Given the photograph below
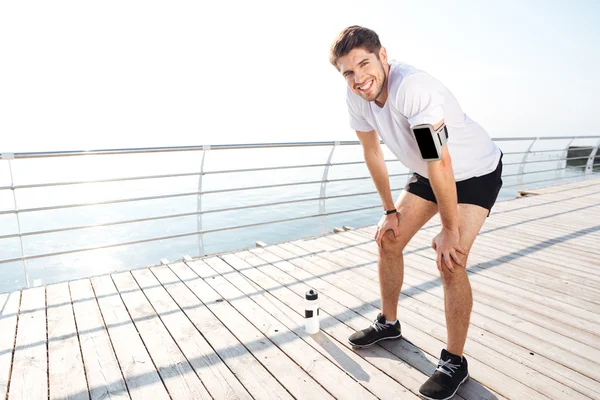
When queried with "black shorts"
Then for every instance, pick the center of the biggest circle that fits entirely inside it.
(480, 190)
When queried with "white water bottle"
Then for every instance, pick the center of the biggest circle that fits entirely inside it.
(311, 312)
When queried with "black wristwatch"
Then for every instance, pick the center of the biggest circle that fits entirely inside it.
(388, 212)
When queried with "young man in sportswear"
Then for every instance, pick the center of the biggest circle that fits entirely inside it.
(387, 99)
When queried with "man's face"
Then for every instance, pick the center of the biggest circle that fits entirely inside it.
(364, 72)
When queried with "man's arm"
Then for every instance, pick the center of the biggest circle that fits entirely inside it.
(375, 161)
(443, 184)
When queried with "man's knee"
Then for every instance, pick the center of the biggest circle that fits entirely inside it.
(459, 270)
(390, 243)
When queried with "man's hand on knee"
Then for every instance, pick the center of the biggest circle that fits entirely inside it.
(448, 249)
(450, 275)
(390, 242)
(389, 222)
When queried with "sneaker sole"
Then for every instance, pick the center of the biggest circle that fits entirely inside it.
(449, 397)
(362, 346)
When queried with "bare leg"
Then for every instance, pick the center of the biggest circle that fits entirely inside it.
(414, 212)
(458, 298)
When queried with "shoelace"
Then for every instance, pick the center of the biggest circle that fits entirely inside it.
(378, 326)
(451, 368)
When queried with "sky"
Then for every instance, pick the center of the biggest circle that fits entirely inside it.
(82, 75)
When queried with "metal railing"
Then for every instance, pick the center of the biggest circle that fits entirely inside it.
(201, 193)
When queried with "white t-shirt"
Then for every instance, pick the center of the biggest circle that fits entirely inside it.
(415, 97)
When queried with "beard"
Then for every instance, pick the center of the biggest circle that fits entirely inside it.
(380, 81)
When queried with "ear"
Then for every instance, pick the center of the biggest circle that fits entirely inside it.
(383, 55)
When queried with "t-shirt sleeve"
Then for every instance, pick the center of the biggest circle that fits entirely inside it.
(421, 99)
(356, 118)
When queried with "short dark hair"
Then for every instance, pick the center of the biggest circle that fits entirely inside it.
(351, 38)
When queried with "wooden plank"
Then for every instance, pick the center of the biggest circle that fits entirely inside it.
(29, 380)
(535, 223)
(576, 242)
(584, 320)
(586, 183)
(246, 368)
(548, 203)
(320, 368)
(539, 268)
(540, 256)
(432, 294)
(547, 200)
(9, 309)
(553, 251)
(104, 376)
(560, 218)
(551, 202)
(65, 364)
(479, 351)
(579, 348)
(139, 371)
(588, 300)
(284, 369)
(546, 320)
(559, 301)
(542, 274)
(218, 379)
(530, 243)
(416, 329)
(280, 286)
(568, 303)
(560, 192)
(553, 228)
(175, 370)
(487, 246)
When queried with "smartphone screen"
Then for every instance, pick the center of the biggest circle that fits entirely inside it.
(425, 142)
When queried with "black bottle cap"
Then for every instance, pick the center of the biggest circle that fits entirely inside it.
(311, 295)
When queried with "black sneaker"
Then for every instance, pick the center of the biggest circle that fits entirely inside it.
(378, 331)
(447, 378)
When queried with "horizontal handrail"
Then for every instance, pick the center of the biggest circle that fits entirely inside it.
(546, 161)
(142, 150)
(189, 214)
(547, 151)
(547, 170)
(60, 253)
(54, 184)
(539, 172)
(179, 175)
(548, 180)
(240, 146)
(167, 196)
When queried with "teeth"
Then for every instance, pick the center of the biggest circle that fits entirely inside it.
(366, 86)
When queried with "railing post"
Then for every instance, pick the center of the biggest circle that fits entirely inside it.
(323, 191)
(563, 157)
(205, 150)
(589, 166)
(409, 177)
(9, 157)
(524, 161)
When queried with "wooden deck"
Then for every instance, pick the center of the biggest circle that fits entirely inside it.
(231, 326)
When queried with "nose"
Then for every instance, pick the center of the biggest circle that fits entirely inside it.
(359, 77)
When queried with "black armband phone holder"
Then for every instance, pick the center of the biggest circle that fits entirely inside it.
(430, 141)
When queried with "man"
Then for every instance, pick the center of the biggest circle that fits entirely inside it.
(461, 181)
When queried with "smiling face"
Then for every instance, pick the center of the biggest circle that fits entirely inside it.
(366, 73)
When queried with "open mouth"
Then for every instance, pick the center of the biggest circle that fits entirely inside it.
(365, 87)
